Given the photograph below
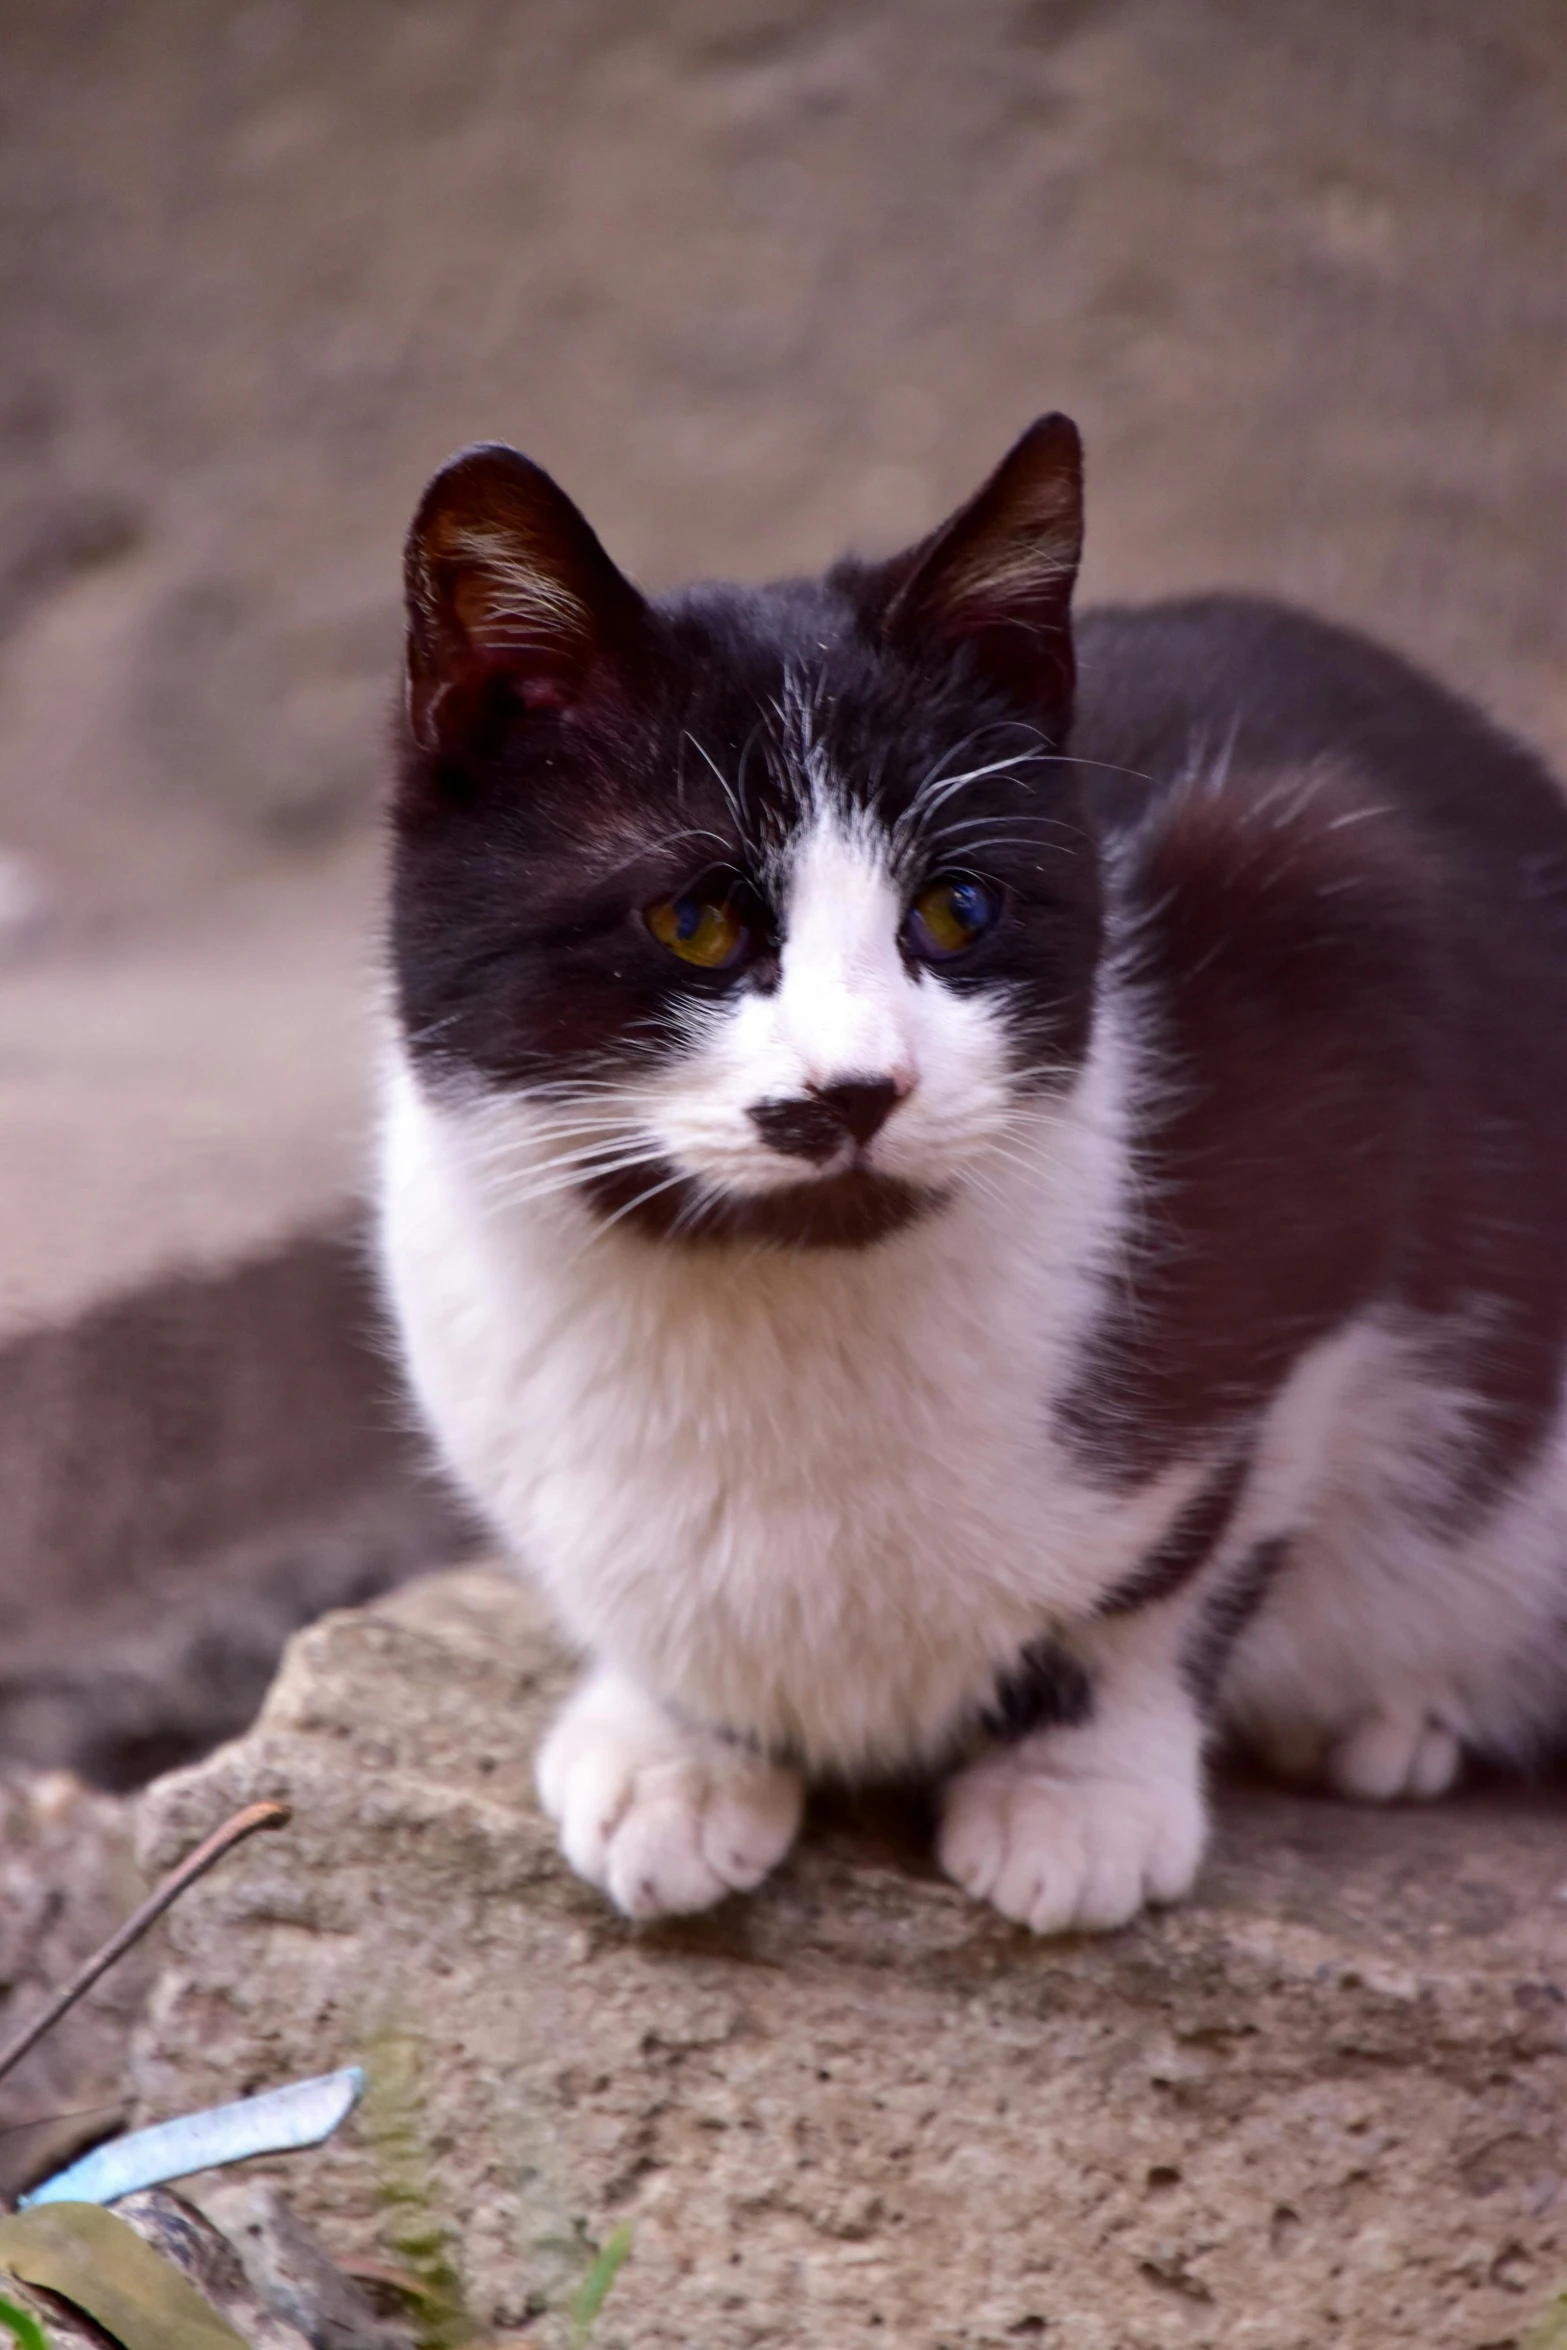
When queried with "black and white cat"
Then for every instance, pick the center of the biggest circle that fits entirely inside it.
(963, 1219)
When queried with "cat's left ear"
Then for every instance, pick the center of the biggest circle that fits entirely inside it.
(997, 577)
(506, 581)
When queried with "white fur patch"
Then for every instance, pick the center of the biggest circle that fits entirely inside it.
(813, 1497)
(662, 1818)
(1075, 1829)
(846, 1006)
(1391, 1642)
(742, 1474)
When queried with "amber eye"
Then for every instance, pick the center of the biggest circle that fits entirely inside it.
(702, 929)
(949, 916)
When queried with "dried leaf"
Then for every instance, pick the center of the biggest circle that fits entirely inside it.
(93, 2259)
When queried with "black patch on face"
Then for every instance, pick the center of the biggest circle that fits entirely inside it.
(1047, 1689)
(525, 853)
(1187, 1547)
(799, 1129)
(818, 1125)
(1224, 1617)
(851, 1210)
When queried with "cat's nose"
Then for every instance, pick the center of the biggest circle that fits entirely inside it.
(860, 1104)
(816, 1124)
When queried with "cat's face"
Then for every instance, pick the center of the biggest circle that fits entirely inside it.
(758, 914)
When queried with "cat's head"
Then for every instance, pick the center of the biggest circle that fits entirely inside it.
(746, 912)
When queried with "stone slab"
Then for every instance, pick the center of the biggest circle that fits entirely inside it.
(182, 1099)
(1322, 2104)
(202, 1439)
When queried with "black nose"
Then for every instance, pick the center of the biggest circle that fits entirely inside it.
(860, 1104)
(814, 1126)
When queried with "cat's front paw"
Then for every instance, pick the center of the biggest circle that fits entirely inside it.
(662, 1818)
(1401, 1754)
(1063, 1853)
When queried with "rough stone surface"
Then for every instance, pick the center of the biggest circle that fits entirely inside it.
(1320, 2105)
(68, 1878)
(291, 2270)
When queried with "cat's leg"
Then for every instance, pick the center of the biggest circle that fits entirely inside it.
(1075, 1823)
(663, 1817)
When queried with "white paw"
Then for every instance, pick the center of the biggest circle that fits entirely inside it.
(663, 1819)
(1403, 1752)
(1065, 1854)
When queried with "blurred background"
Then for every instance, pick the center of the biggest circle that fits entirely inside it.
(757, 279)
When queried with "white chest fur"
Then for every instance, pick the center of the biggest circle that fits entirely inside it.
(809, 1494)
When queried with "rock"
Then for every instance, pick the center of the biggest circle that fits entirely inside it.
(200, 1443)
(291, 2270)
(67, 1880)
(210, 2262)
(1320, 2103)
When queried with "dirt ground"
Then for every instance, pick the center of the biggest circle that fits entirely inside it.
(756, 278)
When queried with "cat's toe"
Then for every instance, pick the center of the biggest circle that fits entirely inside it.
(692, 1834)
(1063, 1855)
(1400, 1754)
(662, 1824)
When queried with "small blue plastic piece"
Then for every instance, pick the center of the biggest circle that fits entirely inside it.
(279, 2120)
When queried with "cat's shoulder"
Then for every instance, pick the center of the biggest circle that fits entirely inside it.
(1173, 693)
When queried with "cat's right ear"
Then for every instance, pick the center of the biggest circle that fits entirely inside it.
(995, 581)
(507, 583)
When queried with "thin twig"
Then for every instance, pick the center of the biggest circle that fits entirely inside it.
(244, 1823)
(72, 2113)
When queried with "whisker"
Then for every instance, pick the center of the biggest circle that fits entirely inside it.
(722, 780)
(938, 790)
(642, 1199)
(526, 1195)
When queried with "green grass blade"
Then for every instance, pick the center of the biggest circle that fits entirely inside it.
(24, 2329)
(594, 2289)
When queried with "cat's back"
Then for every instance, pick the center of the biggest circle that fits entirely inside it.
(1343, 896)
(1228, 681)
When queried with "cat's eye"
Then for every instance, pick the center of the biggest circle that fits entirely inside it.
(949, 916)
(704, 927)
